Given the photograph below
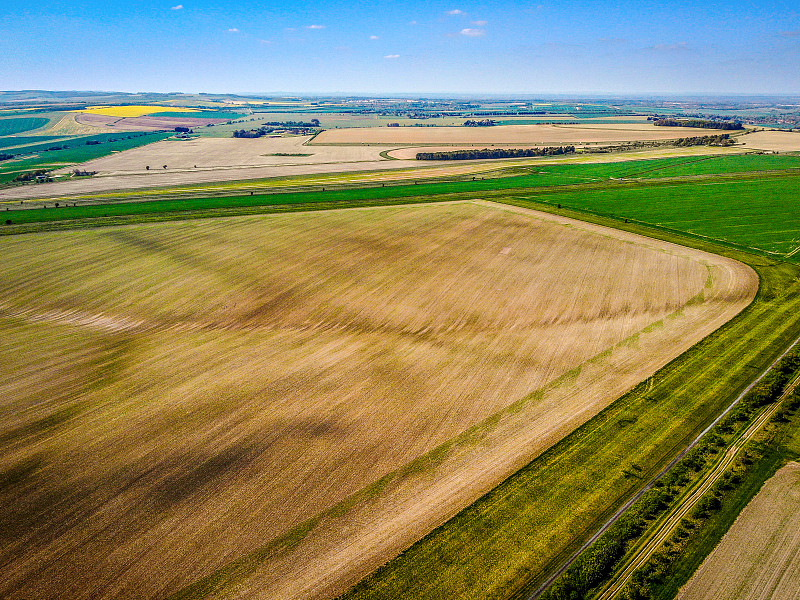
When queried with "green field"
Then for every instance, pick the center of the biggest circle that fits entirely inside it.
(14, 125)
(77, 151)
(763, 214)
(25, 140)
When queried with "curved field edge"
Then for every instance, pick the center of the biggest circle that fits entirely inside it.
(457, 449)
(575, 486)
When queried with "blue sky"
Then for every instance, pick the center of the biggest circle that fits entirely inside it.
(420, 47)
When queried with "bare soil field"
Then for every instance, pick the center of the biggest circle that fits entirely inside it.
(759, 557)
(187, 393)
(221, 153)
(776, 141)
(529, 135)
(306, 173)
(142, 123)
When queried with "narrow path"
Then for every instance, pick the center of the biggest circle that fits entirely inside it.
(550, 580)
(667, 524)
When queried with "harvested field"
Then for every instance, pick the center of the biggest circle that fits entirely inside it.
(306, 173)
(776, 141)
(759, 557)
(222, 153)
(142, 123)
(186, 393)
(529, 135)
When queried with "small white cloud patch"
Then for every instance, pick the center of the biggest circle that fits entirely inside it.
(315, 26)
(391, 56)
(179, 7)
(374, 37)
(480, 23)
(455, 12)
(470, 32)
(233, 30)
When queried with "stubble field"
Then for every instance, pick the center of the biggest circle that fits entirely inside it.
(530, 135)
(759, 557)
(187, 393)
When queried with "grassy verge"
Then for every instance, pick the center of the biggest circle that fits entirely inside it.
(673, 565)
(598, 563)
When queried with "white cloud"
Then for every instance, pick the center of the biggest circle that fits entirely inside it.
(455, 11)
(472, 32)
(233, 30)
(374, 37)
(315, 26)
(480, 23)
(265, 42)
(392, 56)
(179, 7)
(679, 47)
(412, 22)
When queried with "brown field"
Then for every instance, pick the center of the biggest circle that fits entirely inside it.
(529, 135)
(185, 393)
(226, 153)
(776, 141)
(306, 173)
(142, 123)
(759, 557)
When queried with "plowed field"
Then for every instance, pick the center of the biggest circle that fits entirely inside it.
(315, 390)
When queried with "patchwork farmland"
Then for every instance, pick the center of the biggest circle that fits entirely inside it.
(411, 358)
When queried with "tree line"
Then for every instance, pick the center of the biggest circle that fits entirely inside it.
(495, 153)
(701, 123)
(296, 127)
(482, 123)
(597, 563)
(723, 139)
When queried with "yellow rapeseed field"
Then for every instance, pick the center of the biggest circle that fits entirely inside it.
(136, 110)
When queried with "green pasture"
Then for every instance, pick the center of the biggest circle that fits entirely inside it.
(7, 142)
(763, 214)
(78, 151)
(10, 126)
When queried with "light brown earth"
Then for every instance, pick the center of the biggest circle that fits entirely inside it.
(531, 135)
(759, 557)
(143, 123)
(323, 171)
(776, 141)
(183, 393)
(226, 153)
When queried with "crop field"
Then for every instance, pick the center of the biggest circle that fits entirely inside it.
(133, 110)
(759, 214)
(759, 557)
(20, 140)
(398, 350)
(12, 125)
(532, 135)
(776, 141)
(222, 153)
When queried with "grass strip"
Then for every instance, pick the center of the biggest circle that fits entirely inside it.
(672, 566)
